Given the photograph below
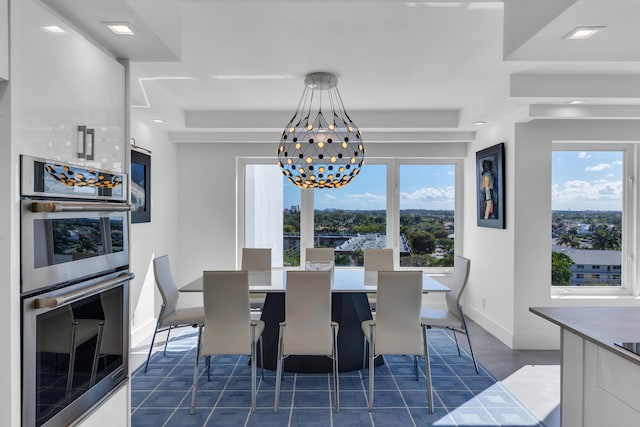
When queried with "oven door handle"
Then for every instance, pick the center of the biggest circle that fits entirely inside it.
(76, 295)
(78, 207)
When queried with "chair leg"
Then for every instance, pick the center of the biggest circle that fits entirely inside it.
(371, 365)
(261, 359)
(153, 340)
(466, 331)
(415, 366)
(254, 349)
(164, 352)
(364, 356)
(72, 362)
(208, 368)
(278, 371)
(336, 381)
(455, 337)
(196, 369)
(427, 367)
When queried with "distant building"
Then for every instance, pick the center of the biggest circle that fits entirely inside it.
(593, 267)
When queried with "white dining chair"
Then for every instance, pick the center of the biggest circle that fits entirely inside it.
(307, 328)
(453, 317)
(228, 327)
(170, 316)
(376, 260)
(256, 260)
(320, 259)
(397, 327)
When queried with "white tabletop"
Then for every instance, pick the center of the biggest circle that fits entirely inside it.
(344, 280)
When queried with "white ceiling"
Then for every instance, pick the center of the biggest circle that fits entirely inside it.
(424, 70)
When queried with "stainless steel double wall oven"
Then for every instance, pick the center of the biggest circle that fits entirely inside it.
(74, 287)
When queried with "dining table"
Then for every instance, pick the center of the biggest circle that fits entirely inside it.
(349, 308)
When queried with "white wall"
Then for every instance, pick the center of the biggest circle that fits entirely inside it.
(511, 268)
(533, 221)
(490, 249)
(158, 237)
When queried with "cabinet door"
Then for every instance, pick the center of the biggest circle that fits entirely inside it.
(4, 39)
(59, 82)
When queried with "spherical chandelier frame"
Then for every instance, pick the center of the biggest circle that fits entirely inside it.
(320, 148)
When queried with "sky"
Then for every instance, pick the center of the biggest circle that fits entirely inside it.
(421, 187)
(581, 180)
(587, 180)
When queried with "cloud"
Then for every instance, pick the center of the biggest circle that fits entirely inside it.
(617, 163)
(599, 167)
(427, 195)
(367, 197)
(584, 155)
(581, 191)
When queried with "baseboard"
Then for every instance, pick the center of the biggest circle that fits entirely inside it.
(494, 328)
(140, 334)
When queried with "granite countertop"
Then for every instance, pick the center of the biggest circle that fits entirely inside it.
(600, 325)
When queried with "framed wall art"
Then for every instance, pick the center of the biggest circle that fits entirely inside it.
(140, 185)
(490, 186)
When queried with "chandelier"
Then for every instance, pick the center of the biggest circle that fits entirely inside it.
(320, 149)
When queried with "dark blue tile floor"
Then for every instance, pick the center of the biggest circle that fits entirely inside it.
(162, 397)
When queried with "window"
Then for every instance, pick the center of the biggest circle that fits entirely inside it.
(353, 218)
(591, 209)
(418, 219)
(427, 215)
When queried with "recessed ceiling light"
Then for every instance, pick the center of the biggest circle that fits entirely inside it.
(480, 123)
(121, 28)
(252, 77)
(157, 121)
(575, 102)
(53, 29)
(581, 33)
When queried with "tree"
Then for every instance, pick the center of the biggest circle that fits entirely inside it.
(605, 238)
(422, 242)
(569, 238)
(560, 269)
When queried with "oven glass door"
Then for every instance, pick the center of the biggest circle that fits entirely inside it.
(61, 247)
(75, 348)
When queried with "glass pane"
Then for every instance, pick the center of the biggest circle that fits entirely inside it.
(427, 203)
(264, 213)
(353, 218)
(68, 362)
(586, 218)
(291, 224)
(71, 239)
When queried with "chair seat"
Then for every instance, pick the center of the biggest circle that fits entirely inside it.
(184, 316)
(440, 318)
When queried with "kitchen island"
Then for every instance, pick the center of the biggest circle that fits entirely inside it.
(600, 380)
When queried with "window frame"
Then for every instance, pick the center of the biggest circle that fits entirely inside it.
(392, 205)
(629, 222)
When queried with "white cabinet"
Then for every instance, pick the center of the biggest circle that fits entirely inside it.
(599, 388)
(61, 81)
(4, 39)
